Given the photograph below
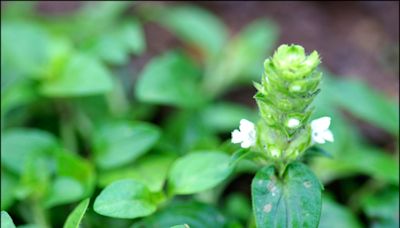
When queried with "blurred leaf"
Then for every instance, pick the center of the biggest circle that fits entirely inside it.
(64, 190)
(26, 47)
(198, 171)
(224, 116)
(93, 18)
(125, 199)
(6, 221)
(82, 76)
(8, 186)
(21, 92)
(75, 180)
(116, 45)
(119, 143)
(242, 59)
(74, 219)
(238, 206)
(20, 145)
(150, 170)
(359, 159)
(195, 26)
(170, 79)
(335, 215)
(382, 207)
(18, 9)
(185, 131)
(294, 201)
(194, 214)
(368, 104)
(180, 226)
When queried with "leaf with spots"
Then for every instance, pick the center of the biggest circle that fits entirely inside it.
(291, 201)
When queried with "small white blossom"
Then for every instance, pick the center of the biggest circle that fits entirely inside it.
(320, 130)
(246, 135)
(293, 122)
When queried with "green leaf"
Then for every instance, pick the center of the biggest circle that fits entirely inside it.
(181, 226)
(224, 117)
(195, 26)
(75, 180)
(198, 171)
(125, 199)
(75, 218)
(242, 59)
(238, 206)
(170, 79)
(119, 143)
(6, 221)
(356, 159)
(81, 76)
(26, 47)
(116, 45)
(8, 186)
(334, 215)
(294, 201)
(150, 170)
(64, 190)
(194, 214)
(371, 105)
(19, 145)
(382, 207)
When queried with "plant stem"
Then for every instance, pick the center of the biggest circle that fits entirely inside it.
(39, 215)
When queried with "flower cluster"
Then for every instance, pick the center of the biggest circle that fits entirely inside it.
(288, 86)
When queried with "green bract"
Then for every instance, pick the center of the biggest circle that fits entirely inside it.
(288, 86)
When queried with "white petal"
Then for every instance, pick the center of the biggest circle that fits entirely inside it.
(328, 136)
(246, 126)
(318, 138)
(293, 122)
(245, 144)
(236, 136)
(321, 124)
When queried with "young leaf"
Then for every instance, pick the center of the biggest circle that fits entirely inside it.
(294, 201)
(75, 218)
(170, 79)
(81, 76)
(198, 171)
(6, 221)
(119, 143)
(125, 199)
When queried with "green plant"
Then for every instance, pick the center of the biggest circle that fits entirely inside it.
(91, 139)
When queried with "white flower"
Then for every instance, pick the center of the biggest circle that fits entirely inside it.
(320, 130)
(246, 135)
(293, 122)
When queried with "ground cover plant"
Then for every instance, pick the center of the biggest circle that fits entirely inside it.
(87, 140)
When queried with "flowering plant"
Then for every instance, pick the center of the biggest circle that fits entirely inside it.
(282, 135)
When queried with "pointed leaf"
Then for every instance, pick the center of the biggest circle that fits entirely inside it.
(294, 201)
(75, 218)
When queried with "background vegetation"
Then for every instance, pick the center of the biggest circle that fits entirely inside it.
(96, 92)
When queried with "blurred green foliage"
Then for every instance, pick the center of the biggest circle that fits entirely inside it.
(70, 127)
